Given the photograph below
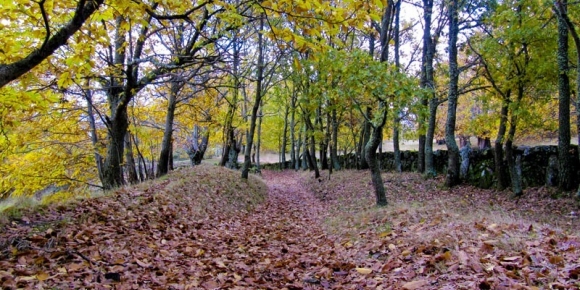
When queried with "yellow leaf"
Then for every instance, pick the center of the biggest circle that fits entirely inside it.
(42, 276)
(384, 234)
(199, 252)
(364, 271)
(297, 64)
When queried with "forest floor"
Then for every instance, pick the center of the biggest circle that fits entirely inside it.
(206, 229)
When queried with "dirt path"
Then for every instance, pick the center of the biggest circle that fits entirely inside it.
(279, 245)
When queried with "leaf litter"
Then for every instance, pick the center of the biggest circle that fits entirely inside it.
(206, 229)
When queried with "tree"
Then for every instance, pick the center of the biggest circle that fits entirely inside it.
(428, 83)
(565, 179)
(452, 177)
(562, 13)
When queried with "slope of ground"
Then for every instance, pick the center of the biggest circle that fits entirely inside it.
(132, 235)
(207, 229)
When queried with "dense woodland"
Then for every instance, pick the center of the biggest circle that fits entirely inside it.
(106, 93)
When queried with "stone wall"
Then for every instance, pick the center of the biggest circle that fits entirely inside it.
(537, 168)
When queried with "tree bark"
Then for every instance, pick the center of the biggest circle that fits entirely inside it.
(311, 153)
(323, 146)
(560, 8)
(163, 164)
(334, 148)
(130, 160)
(285, 140)
(396, 147)
(500, 172)
(293, 144)
(397, 115)
(305, 157)
(371, 154)
(430, 170)
(196, 149)
(452, 177)
(427, 82)
(565, 182)
(364, 139)
(514, 169)
(117, 126)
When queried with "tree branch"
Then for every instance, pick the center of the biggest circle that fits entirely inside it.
(12, 71)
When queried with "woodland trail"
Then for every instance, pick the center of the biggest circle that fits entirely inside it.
(279, 245)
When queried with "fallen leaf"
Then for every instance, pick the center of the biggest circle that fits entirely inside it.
(510, 259)
(364, 271)
(142, 264)
(42, 276)
(415, 284)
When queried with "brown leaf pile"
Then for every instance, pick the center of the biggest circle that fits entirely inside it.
(464, 238)
(206, 229)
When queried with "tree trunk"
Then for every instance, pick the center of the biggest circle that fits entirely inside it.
(130, 161)
(143, 173)
(305, 157)
(430, 170)
(163, 164)
(93, 131)
(364, 139)
(565, 179)
(294, 147)
(323, 141)
(257, 102)
(233, 149)
(196, 149)
(312, 152)
(334, 148)
(284, 141)
(117, 128)
(500, 172)
(452, 177)
(371, 155)
(397, 115)
(259, 142)
(396, 148)
(427, 82)
(515, 171)
(228, 124)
